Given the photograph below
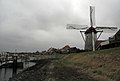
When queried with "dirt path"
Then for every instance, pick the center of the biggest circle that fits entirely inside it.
(50, 72)
(70, 74)
(63, 73)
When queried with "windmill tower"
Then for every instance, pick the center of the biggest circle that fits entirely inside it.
(90, 37)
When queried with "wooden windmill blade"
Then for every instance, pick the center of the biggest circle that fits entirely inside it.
(92, 23)
(92, 16)
(77, 27)
(107, 29)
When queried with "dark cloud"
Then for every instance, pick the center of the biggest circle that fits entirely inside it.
(31, 25)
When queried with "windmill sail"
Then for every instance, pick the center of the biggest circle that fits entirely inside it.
(107, 29)
(77, 27)
(92, 16)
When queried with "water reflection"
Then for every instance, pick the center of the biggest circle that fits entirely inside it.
(6, 73)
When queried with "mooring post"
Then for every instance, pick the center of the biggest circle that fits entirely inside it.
(14, 65)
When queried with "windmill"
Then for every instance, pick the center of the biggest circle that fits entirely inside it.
(91, 32)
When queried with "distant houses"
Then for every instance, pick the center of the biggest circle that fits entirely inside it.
(112, 42)
(65, 50)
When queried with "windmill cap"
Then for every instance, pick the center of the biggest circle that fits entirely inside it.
(90, 30)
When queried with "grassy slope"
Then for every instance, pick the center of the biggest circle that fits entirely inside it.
(103, 65)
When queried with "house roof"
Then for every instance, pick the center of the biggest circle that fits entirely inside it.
(118, 32)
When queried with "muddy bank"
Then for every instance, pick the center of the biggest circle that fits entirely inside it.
(34, 73)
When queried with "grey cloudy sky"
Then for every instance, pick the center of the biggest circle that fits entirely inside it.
(30, 25)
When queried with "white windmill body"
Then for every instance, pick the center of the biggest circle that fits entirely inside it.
(91, 32)
(90, 38)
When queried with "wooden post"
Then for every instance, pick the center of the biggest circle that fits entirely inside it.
(93, 41)
(14, 65)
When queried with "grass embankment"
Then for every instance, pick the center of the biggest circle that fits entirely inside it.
(103, 65)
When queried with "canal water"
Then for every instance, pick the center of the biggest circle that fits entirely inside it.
(6, 73)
